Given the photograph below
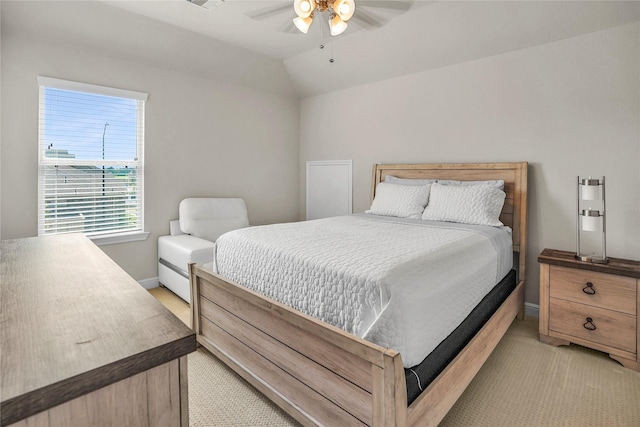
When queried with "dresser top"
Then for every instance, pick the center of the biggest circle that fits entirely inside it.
(73, 321)
(617, 266)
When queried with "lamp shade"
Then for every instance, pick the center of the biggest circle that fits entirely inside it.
(337, 26)
(344, 9)
(590, 191)
(590, 220)
(304, 8)
(303, 24)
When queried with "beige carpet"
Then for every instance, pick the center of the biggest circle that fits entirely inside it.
(523, 383)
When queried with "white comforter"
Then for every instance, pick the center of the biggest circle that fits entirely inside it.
(402, 284)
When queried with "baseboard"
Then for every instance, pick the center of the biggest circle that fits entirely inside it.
(149, 283)
(532, 310)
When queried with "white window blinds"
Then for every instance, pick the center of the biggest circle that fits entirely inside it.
(90, 159)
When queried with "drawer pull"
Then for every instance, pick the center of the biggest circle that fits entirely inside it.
(589, 324)
(589, 290)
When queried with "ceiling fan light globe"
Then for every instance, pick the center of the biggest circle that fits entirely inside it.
(304, 8)
(344, 9)
(302, 24)
(337, 26)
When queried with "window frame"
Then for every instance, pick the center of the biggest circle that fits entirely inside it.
(106, 237)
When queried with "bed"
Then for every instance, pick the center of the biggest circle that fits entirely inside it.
(324, 375)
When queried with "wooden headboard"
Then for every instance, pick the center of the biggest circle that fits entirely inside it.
(514, 211)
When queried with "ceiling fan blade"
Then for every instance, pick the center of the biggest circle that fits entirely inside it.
(267, 12)
(401, 5)
(207, 4)
(366, 20)
(288, 27)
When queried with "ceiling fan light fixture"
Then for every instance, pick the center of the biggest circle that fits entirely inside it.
(337, 26)
(303, 24)
(344, 8)
(304, 8)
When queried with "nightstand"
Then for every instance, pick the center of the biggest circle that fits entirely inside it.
(594, 305)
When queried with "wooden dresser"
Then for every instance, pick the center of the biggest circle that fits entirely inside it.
(83, 344)
(594, 305)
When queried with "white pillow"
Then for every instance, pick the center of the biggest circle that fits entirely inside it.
(408, 181)
(472, 204)
(499, 183)
(405, 201)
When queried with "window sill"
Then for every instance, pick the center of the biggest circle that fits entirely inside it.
(112, 239)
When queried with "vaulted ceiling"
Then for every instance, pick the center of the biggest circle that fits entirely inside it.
(264, 26)
(381, 43)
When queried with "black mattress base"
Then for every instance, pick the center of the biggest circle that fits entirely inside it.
(420, 376)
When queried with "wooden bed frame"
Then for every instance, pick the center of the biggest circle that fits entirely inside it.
(322, 375)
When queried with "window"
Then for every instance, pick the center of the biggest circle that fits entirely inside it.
(90, 161)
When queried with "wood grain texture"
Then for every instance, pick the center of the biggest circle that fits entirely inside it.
(330, 385)
(617, 266)
(288, 355)
(612, 328)
(150, 398)
(72, 322)
(184, 391)
(603, 290)
(544, 299)
(614, 308)
(351, 361)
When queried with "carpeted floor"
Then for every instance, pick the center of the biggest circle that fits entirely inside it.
(524, 383)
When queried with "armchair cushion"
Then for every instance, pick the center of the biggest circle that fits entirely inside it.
(209, 218)
(184, 249)
(174, 227)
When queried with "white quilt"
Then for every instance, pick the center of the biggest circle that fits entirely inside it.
(403, 284)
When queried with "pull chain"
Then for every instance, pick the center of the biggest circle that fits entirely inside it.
(322, 45)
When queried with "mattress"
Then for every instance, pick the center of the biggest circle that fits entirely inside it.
(404, 284)
(420, 376)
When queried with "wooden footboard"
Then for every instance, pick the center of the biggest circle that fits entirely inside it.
(318, 373)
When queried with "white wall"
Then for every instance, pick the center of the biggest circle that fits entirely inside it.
(569, 108)
(204, 137)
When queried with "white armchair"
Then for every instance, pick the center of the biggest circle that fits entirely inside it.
(192, 238)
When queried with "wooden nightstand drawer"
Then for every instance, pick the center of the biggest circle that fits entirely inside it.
(571, 291)
(607, 327)
(593, 288)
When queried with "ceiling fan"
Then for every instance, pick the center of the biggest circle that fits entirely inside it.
(207, 4)
(365, 13)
